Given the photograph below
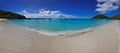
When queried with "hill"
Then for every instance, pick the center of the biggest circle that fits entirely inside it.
(10, 15)
(117, 17)
(100, 16)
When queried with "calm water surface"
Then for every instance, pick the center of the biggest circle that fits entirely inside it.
(59, 25)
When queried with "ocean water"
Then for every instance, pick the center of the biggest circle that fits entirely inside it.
(59, 25)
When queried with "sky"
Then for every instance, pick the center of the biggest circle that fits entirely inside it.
(64, 8)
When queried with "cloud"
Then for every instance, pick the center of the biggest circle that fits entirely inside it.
(105, 6)
(46, 14)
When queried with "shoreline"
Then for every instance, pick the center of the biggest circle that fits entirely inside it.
(1, 20)
(63, 33)
(17, 39)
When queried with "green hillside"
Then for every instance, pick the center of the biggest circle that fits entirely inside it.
(117, 17)
(10, 15)
(100, 16)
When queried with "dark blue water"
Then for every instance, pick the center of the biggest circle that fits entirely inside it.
(59, 25)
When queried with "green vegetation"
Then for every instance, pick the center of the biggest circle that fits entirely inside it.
(117, 17)
(102, 16)
(10, 15)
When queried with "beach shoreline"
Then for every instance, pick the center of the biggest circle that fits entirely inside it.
(62, 33)
(17, 39)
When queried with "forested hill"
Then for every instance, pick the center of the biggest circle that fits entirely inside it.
(10, 15)
(102, 16)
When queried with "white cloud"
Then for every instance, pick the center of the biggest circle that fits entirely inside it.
(105, 6)
(46, 14)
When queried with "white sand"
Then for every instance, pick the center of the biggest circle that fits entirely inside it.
(2, 20)
(16, 39)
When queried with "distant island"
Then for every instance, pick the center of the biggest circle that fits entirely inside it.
(10, 15)
(102, 16)
(99, 16)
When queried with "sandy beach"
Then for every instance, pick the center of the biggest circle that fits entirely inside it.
(17, 39)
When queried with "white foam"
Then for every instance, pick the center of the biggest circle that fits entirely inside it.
(48, 33)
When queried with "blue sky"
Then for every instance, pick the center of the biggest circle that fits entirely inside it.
(80, 8)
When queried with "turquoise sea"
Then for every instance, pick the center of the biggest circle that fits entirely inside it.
(59, 25)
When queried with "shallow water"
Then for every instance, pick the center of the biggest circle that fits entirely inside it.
(59, 25)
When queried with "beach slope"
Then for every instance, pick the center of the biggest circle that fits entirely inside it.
(17, 39)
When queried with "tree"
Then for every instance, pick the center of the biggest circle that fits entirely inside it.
(117, 17)
(10, 15)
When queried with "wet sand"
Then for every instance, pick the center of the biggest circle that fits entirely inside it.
(17, 39)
